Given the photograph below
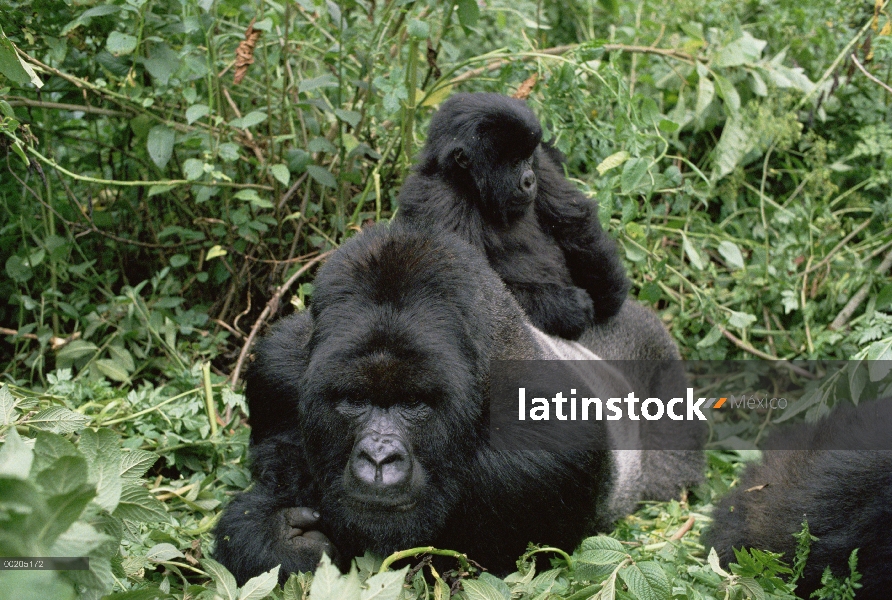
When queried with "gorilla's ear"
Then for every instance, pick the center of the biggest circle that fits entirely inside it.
(461, 158)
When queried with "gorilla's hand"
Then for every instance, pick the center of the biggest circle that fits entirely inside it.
(300, 539)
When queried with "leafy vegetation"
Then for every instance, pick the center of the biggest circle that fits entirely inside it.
(175, 169)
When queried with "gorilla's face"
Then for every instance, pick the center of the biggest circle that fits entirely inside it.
(506, 185)
(391, 412)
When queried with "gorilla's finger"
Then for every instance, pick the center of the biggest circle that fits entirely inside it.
(301, 517)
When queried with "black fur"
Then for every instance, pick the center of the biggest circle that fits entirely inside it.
(371, 408)
(485, 174)
(837, 481)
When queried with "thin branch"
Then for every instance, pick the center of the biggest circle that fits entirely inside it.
(19, 101)
(756, 352)
(837, 247)
(271, 307)
(869, 76)
(860, 296)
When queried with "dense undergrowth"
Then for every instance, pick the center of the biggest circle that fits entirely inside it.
(175, 170)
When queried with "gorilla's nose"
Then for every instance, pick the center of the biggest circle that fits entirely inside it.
(528, 182)
(381, 461)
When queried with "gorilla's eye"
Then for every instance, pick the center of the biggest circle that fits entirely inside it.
(460, 158)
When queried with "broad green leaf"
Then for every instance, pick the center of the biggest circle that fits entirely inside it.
(327, 80)
(58, 419)
(731, 253)
(137, 504)
(481, 590)
(857, 379)
(757, 84)
(879, 357)
(646, 580)
(223, 579)
(468, 12)
(163, 552)
(439, 95)
(215, 252)
(62, 511)
(196, 111)
(260, 586)
(164, 62)
(102, 450)
(385, 586)
(15, 456)
(8, 412)
(705, 92)
(612, 161)
(602, 542)
(136, 462)
(112, 369)
(692, 253)
(745, 49)
(810, 399)
(193, 168)
(255, 117)
(741, 320)
(736, 141)
(160, 144)
(120, 44)
(281, 173)
(49, 448)
(728, 93)
(327, 581)
(65, 476)
(633, 172)
(322, 175)
(13, 67)
(348, 116)
(713, 560)
(418, 29)
(752, 588)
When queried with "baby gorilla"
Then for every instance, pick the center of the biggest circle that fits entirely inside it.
(485, 175)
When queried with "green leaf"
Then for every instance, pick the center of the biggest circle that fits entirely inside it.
(195, 112)
(62, 511)
(18, 269)
(804, 403)
(327, 582)
(418, 29)
(255, 117)
(14, 67)
(65, 476)
(322, 175)
(112, 369)
(612, 161)
(741, 320)
(327, 80)
(731, 253)
(745, 49)
(163, 552)
(15, 456)
(692, 253)
(752, 589)
(385, 586)
(160, 144)
(857, 379)
(281, 173)
(193, 168)
(49, 448)
(348, 116)
(714, 335)
(646, 580)
(602, 542)
(8, 411)
(728, 93)
(120, 44)
(135, 463)
(260, 586)
(58, 419)
(879, 357)
(481, 590)
(736, 141)
(468, 12)
(633, 172)
(705, 92)
(137, 504)
(713, 560)
(223, 579)
(215, 252)
(102, 450)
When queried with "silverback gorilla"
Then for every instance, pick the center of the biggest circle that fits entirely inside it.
(838, 479)
(369, 420)
(485, 175)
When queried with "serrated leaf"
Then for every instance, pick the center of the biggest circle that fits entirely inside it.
(15, 456)
(255, 117)
(714, 564)
(326, 80)
(753, 591)
(281, 173)
(137, 504)
(602, 542)
(163, 552)
(8, 412)
(196, 111)
(74, 350)
(731, 253)
(879, 359)
(102, 449)
(135, 463)
(348, 116)
(62, 511)
(58, 419)
(64, 476)
(804, 403)
(260, 586)
(692, 253)
(646, 580)
(612, 161)
(160, 144)
(112, 369)
(857, 379)
(480, 590)
(745, 49)
(385, 586)
(633, 172)
(120, 44)
(327, 582)
(468, 12)
(223, 579)
(322, 175)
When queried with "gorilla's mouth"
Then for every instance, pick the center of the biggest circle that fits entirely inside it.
(369, 503)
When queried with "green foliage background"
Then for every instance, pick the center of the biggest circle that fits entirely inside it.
(152, 207)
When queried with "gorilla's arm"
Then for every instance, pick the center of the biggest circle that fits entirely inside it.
(564, 311)
(572, 220)
(272, 523)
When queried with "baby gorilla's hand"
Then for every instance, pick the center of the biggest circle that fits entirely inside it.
(299, 538)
